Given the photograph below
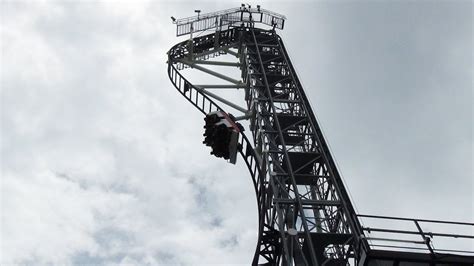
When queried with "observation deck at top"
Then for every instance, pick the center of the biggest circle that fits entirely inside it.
(224, 19)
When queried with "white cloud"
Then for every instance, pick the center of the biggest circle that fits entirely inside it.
(93, 169)
(102, 160)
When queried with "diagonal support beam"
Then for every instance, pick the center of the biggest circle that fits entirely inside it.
(243, 117)
(231, 104)
(231, 52)
(213, 86)
(208, 71)
(217, 63)
(216, 50)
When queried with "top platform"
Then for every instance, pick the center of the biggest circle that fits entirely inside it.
(224, 19)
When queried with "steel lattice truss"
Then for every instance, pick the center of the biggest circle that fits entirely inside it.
(297, 184)
(305, 214)
(304, 190)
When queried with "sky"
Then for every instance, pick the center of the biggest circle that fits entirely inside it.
(102, 160)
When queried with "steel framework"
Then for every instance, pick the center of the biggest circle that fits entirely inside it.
(305, 214)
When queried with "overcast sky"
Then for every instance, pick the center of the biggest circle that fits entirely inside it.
(102, 161)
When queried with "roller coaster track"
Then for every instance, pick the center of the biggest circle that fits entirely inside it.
(304, 211)
(288, 130)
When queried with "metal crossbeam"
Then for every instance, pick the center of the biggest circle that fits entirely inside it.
(208, 71)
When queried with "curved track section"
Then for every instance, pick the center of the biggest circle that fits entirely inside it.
(206, 105)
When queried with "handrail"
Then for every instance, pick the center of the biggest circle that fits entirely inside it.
(413, 219)
(226, 11)
(228, 17)
(426, 237)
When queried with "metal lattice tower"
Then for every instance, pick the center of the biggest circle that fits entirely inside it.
(305, 214)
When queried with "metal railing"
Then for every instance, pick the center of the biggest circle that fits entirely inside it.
(416, 239)
(228, 17)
